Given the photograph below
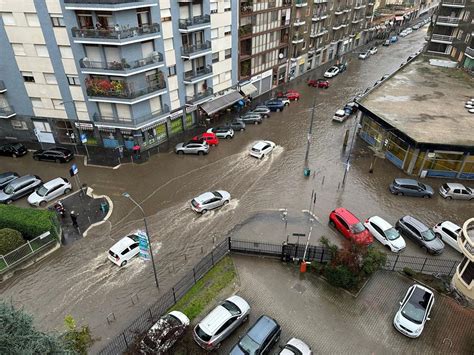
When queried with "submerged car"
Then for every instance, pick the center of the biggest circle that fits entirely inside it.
(339, 116)
(410, 187)
(456, 191)
(296, 346)
(364, 55)
(385, 233)
(449, 233)
(259, 339)
(192, 147)
(331, 72)
(252, 118)
(419, 233)
(373, 50)
(58, 155)
(19, 187)
(275, 105)
(350, 226)
(237, 125)
(49, 191)
(6, 178)
(222, 132)
(320, 83)
(210, 138)
(262, 110)
(13, 150)
(124, 250)
(261, 148)
(210, 200)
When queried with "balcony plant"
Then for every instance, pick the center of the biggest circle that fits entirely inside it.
(104, 87)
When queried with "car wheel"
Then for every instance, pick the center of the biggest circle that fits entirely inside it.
(438, 236)
(8, 202)
(14, 155)
(123, 263)
(200, 152)
(36, 157)
(58, 161)
(180, 152)
(243, 129)
(42, 203)
(227, 137)
(331, 223)
(256, 122)
(427, 196)
(246, 318)
(204, 211)
(263, 156)
(400, 193)
(449, 198)
(67, 191)
(277, 110)
(226, 202)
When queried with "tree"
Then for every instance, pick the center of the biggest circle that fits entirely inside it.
(77, 340)
(10, 239)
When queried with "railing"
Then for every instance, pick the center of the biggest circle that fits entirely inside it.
(317, 17)
(299, 3)
(297, 38)
(111, 2)
(123, 65)
(6, 111)
(132, 121)
(299, 22)
(196, 20)
(318, 32)
(245, 30)
(470, 51)
(199, 95)
(192, 74)
(444, 38)
(188, 50)
(115, 32)
(122, 90)
(448, 19)
(454, 2)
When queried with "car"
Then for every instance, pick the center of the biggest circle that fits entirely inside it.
(254, 118)
(420, 234)
(222, 132)
(210, 200)
(449, 233)
(261, 148)
(280, 96)
(275, 105)
(58, 155)
(373, 50)
(295, 346)
(414, 311)
(293, 95)
(237, 125)
(410, 187)
(403, 34)
(408, 30)
(350, 226)
(161, 337)
(364, 55)
(6, 178)
(19, 187)
(260, 338)
(221, 322)
(262, 110)
(385, 233)
(210, 138)
(331, 72)
(13, 150)
(49, 191)
(342, 67)
(192, 147)
(386, 43)
(320, 83)
(124, 250)
(393, 39)
(350, 108)
(339, 116)
(456, 191)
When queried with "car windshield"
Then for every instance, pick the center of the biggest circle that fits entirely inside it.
(202, 334)
(357, 228)
(468, 190)
(41, 191)
(9, 190)
(413, 312)
(17, 146)
(423, 186)
(446, 187)
(232, 308)
(217, 194)
(248, 345)
(392, 234)
(293, 349)
(428, 235)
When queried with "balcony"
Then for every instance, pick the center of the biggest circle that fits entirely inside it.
(194, 76)
(7, 111)
(469, 52)
(107, 5)
(359, 6)
(356, 20)
(319, 17)
(199, 97)
(297, 39)
(299, 22)
(245, 30)
(196, 50)
(122, 68)
(122, 92)
(338, 11)
(453, 3)
(116, 35)
(301, 3)
(448, 21)
(135, 123)
(442, 39)
(2, 87)
(318, 33)
(338, 26)
(196, 23)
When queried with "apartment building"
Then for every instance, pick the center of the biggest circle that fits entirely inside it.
(112, 73)
(452, 31)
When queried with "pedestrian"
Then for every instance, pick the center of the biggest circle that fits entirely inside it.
(73, 216)
(136, 149)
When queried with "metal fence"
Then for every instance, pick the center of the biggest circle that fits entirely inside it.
(420, 264)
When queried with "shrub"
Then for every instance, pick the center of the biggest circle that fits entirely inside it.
(77, 340)
(409, 272)
(373, 260)
(10, 239)
(340, 276)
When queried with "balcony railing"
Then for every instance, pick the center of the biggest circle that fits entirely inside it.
(318, 32)
(454, 2)
(123, 65)
(448, 19)
(199, 96)
(443, 38)
(115, 32)
(319, 17)
(100, 2)
(301, 3)
(196, 74)
(297, 39)
(470, 52)
(187, 24)
(245, 30)
(299, 22)
(7, 111)
(133, 122)
(189, 50)
(2, 86)
(121, 89)
(357, 20)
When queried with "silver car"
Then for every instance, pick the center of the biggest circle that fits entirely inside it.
(222, 132)
(210, 200)
(262, 110)
(456, 191)
(49, 191)
(19, 187)
(255, 118)
(192, 147)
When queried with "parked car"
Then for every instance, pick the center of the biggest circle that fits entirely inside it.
(386, 43)
(161, 337)
(408, 30)
(252, 118)
(339, 116)
(293, 95)
(320, 83)
(259, 339)
(222, 132)
(403, 34)
(210, 138)
(262, 110)
(275, 105)
(192, 147)
(221, 322)
(456, 191)
(296, 346)
(210, 200)
(19, 187)
(124, 250)
(373, 50)
(350, 108)
(342, 67)
(418, 232)
(6, 178)
(350, 226)
(237, 125)
(449, 233)
(414, 311)
(331, 72)
(393, 39)
(49, 191)
(58, 155)
(410, 187)
(261, 148)
(364, 55)
(385, 233)
(286, 101)
(13, 150)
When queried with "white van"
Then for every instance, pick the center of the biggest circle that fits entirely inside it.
(125, 249)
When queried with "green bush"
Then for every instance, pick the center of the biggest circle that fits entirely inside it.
(340, 276)
(10, 239)
(409, 272)
(373, 260)
(28, 221)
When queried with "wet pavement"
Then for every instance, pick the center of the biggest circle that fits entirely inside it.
(79, 280)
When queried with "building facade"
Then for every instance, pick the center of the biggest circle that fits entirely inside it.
(111, 73)
(463, 279)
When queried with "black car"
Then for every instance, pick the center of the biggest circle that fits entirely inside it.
(420, 234)
(13, 150)
(58, 155)
(237, 125)
(259, 339)
(6, 178)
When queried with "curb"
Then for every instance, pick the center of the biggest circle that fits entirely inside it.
(90, 193)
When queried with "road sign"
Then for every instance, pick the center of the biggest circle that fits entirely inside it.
(83, 138)
(144, 245)
(74, 170)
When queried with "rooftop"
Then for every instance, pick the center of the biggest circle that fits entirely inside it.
(426, 103)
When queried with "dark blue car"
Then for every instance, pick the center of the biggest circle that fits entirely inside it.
(275, 105)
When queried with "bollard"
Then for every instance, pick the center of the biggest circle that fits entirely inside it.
(303, 267)
(322, 183)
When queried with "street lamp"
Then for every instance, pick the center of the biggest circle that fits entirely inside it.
(127, 195)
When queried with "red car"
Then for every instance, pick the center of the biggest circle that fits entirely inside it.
(350, 227)
(210, 138)
(320, 83)
(292, 95)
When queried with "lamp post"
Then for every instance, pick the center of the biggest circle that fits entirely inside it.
(127, 195)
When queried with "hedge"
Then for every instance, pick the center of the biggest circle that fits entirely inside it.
(10, 239)
(28, 221)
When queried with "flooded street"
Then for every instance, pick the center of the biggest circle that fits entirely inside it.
(79, 280)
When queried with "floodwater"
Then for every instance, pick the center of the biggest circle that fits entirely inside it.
(79, 280)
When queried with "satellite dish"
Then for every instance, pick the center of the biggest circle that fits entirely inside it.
(280, 55)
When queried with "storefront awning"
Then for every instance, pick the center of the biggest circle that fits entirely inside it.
(248, 89)
(221, 102)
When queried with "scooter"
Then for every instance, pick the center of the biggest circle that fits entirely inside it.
(59, 207)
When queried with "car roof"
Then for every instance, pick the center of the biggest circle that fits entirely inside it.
(340, 113)
(382, 223)
(451, 226)
(54, 182)
(262, 327)
(214, 320)
(347, 215)
(22, 179)
(419, 295)
(58, 149)
(8, 173)
(455, 185)
(122, 244)
(204, 197)
(259, 145)
(403, 181)
(415, 223)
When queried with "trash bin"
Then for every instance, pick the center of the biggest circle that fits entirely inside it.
(307, 172)
(104, 207)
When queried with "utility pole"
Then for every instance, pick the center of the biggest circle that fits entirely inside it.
(307, 171)
(348, 160)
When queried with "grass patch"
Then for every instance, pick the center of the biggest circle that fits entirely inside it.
(3, 265)
(206, 289)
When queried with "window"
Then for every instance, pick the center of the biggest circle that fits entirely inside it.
(460, 33)
(73, 80)
(66, 52)
(8, 18)
(166, 19)
(58, 104)
(213, 7)
(214, 33)
(57, 21)
(32, 20)
(28, 77)
(20, 125)
(227, 9)
(215, 57)
(172, 70)
(468, 38)
(227, 30)
(18, 49)
(466, 15)
(50, 78)
(41, 50)
(228, 53)
(36, 102)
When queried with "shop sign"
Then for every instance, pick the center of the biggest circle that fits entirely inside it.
(84, 125)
